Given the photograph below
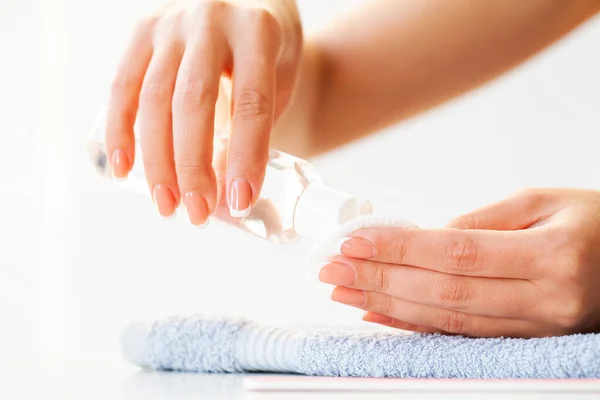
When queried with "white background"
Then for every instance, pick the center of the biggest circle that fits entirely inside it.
(81, 258)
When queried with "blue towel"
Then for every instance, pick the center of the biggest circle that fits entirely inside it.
(211, 344)
(216, 344)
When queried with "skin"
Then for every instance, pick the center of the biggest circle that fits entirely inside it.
(169, 78)
(410, 57)
(526, 266)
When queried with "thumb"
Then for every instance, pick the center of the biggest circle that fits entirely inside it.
(519, 211)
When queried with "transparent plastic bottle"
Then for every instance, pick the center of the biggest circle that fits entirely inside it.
(293, 201)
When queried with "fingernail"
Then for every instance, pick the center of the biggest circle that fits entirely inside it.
(337, 274)
(164, 199)
(350, 297)
(120, 163)
(202, 226)
(377, 318)
(196, 207)
(240, 198)
(357, 247)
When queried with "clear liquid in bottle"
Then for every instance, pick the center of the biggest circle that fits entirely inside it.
(293, 201)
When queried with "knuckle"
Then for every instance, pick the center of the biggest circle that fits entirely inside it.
(154, 165)
(571, 253)
(462, 255)
(559, 240)
(381, 303)
(190, 165)
(577, 256)
(156, 90)
(166, 28)
(451, 321)
(263, 21)
(193, 94)
(239, 157)
(572, 312)
(145, 25)
(406, 326)
(247, 162)
(212, 9)
(252, 104)
(451, 291)
(378, 279)
(531, 198)
(399, 250)
(528, 193)
(570, 266)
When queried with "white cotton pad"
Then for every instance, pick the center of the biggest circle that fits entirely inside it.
(330, 247)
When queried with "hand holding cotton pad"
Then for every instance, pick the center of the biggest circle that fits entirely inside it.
(210, 344)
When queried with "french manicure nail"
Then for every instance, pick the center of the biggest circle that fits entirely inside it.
(240, 198)
(164, 199)
(197, 208)
(356, 247)
(120, 164)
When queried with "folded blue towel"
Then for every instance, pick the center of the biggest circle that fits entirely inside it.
(210, 344)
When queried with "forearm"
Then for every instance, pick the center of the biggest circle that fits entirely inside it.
(393, 59)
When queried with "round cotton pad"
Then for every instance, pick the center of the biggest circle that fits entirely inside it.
(330, 247)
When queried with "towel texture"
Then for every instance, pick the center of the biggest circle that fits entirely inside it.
(209, 344)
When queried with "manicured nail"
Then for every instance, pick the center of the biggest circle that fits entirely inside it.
(347, 296)
(120, 163)
(165, 200)
(240, 198)
(357, 247)
(337, 274)
(196, 207)
(377, 318)
(202, 226)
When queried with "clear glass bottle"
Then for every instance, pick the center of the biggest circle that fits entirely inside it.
(293, 201)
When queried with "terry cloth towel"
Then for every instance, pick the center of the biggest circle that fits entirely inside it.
(216, 344)
(219, 344)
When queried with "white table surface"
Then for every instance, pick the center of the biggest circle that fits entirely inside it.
(115, 379)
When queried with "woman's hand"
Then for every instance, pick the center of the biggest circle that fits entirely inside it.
(169, 78)
(527, 266)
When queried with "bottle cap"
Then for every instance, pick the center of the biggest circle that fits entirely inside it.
(321, 210)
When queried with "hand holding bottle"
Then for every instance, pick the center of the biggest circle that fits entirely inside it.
(169, 79)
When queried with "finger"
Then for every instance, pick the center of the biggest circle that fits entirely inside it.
(220, 167)
(255, 59)
(155, 124)
(396, 323)
(510, 298)
(451, 321)
(519, 211)
(123, 103)
(492, 254)
(194, 100)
